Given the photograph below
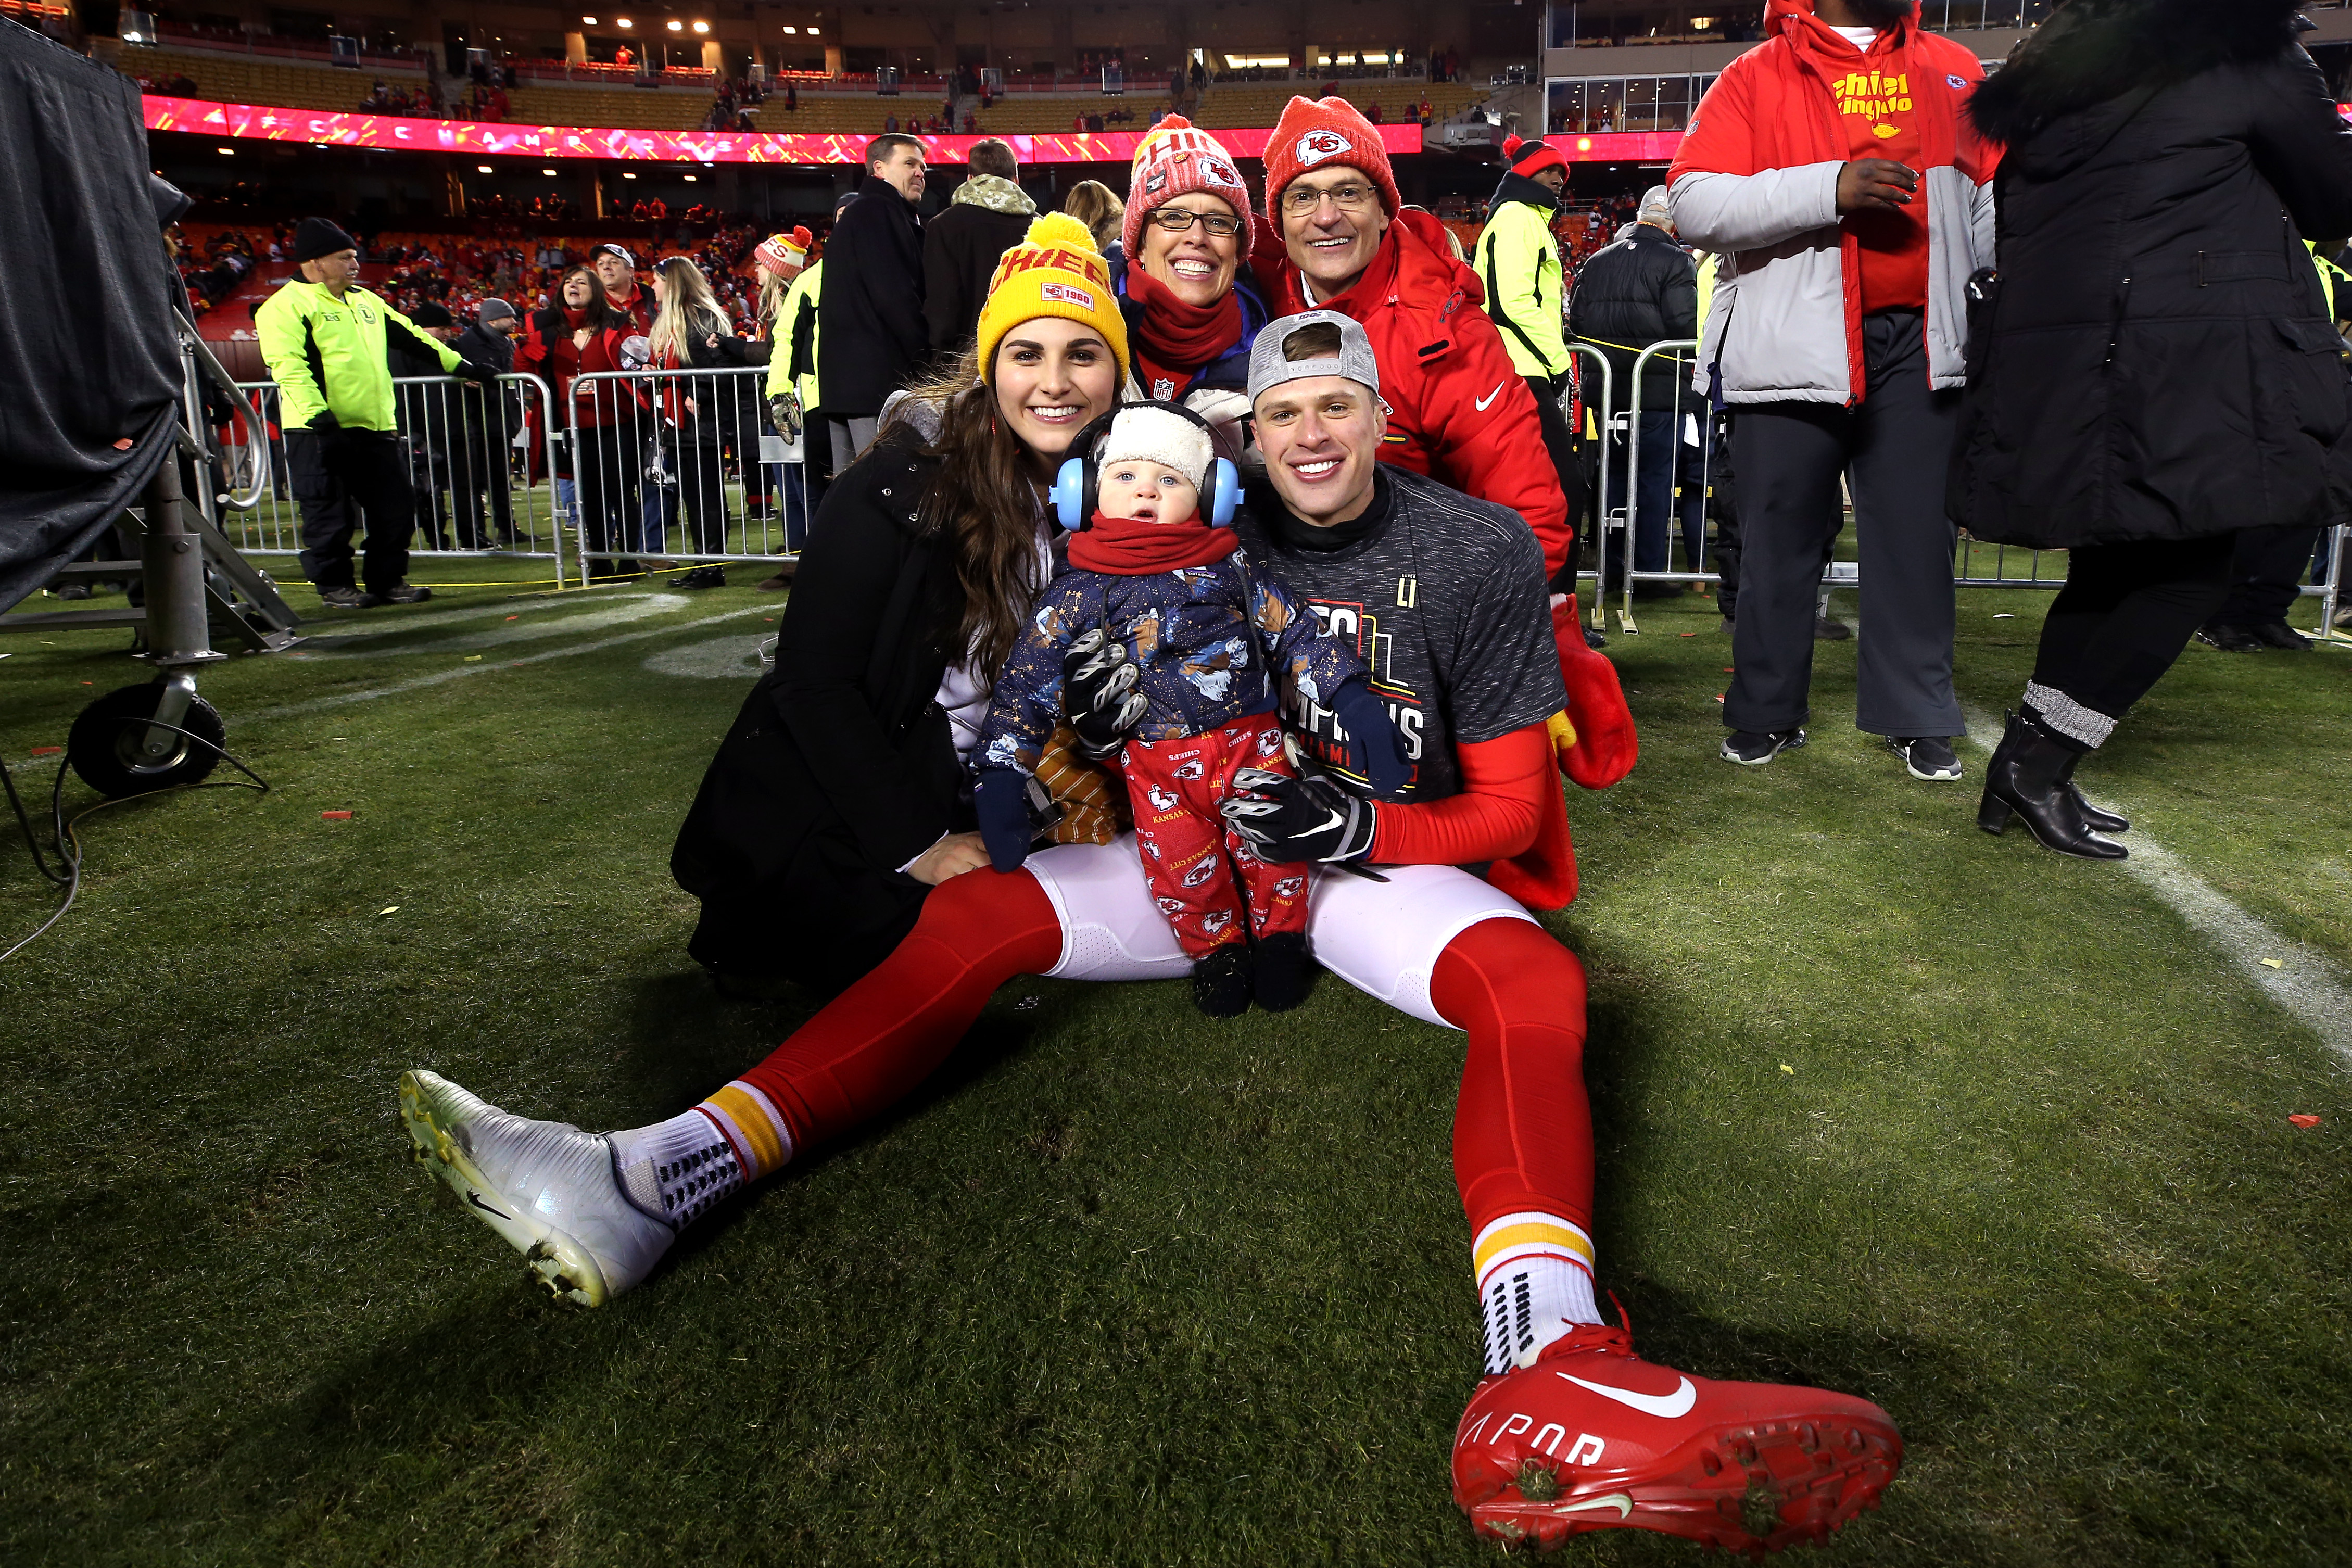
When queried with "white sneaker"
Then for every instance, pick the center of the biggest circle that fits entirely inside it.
(546, 1187)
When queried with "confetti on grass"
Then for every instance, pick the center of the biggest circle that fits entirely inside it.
(1787, 1069)
(47, 750)
(339, 816)
(2302, 1120)
(394, 911)
(2274, 964)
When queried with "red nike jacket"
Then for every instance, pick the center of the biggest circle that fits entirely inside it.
(1463, 414)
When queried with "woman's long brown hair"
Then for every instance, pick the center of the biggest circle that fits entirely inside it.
(984, 504)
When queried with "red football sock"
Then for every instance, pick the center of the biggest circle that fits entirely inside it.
(889, 1031)
(1522, 1132)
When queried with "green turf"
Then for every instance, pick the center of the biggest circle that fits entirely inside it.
(1124, 1286)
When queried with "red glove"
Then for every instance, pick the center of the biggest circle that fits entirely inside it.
(1603, 748)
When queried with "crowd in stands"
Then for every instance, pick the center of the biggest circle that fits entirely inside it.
(459, 271)
(736, 104)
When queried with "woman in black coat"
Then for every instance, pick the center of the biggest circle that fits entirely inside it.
(2158, 370)
(839, 798)
(691, 332)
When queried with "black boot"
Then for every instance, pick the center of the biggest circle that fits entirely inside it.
(1220, 982)
(2027, 778)
(2100, 819)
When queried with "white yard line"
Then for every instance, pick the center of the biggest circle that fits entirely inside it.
(2305, 983)
(324, 626)
(591, 617)
(344, 698)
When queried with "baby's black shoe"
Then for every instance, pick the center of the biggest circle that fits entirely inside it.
(1220, 982)
(1283, 971)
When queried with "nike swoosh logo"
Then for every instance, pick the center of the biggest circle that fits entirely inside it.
(1666, 1407)
(1492, 395)
(475, 1198)
(1621, 1501)
(1334, 820)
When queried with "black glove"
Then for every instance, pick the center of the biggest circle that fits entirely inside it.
(1001, 797)
(1098, 692)
(330, 431)
(475, 371)
(1374, 748)
(1285, 819)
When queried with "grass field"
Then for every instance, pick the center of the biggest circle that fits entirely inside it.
(1995, 1138)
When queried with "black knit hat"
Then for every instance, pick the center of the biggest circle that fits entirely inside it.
(432, 314)
(317, 236)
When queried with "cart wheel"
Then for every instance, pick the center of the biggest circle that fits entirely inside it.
(103, 745)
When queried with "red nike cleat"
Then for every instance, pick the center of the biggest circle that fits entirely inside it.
(1592, 1437)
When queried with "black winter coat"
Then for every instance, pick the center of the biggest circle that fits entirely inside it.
(2158, 360)
(873, 338)
(1640, 290)
(840, 768)
(961, 250)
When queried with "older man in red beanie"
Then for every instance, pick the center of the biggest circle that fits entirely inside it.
(1338, 240)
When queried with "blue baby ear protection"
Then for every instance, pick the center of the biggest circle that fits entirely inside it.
(1076, 490)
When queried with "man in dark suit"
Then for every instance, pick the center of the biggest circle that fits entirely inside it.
(873, 338)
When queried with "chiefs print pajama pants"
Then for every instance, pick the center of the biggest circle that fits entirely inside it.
(1202, 876)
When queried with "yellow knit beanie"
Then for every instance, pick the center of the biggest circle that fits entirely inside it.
(1055, 270)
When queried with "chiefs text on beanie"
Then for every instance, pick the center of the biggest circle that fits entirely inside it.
(1055, 270)
(781, 252)
(1326, 134)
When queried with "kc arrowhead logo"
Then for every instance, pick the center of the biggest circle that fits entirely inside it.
(1317, 145)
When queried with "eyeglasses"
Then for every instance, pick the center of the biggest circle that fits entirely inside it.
(1179, 220)
(1299, 200)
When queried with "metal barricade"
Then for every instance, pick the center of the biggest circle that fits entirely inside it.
(1975, 563)
(481, 466)
(650, 450)
(1666, 493)
(1598, 413)
(2337, 542)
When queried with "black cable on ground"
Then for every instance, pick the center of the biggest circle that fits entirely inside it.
(68, 849)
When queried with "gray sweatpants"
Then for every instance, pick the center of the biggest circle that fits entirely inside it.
(1894, 446)
(851, 437)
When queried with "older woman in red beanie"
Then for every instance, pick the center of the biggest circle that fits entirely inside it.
(1191, 308)
(1338, 237)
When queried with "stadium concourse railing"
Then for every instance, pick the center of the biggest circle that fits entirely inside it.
(502, 481)
(1688, 496)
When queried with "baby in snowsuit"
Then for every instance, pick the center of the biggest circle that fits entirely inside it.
(1208, 632)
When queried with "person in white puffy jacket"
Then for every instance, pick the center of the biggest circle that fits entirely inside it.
(1834, 172)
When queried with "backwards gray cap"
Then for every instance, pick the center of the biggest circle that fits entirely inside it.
(494, 310)
(1269, 368)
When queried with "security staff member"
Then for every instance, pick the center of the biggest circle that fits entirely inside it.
(326, 341)
(1518, 261)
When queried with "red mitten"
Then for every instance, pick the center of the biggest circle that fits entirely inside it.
(1605, 746)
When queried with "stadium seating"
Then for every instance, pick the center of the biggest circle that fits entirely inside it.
(1260, 103)
(254, 79)
(229, 77)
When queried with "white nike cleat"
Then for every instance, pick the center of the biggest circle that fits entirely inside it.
(546, 1187)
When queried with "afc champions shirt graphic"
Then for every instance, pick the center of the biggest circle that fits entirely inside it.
(1370, 631)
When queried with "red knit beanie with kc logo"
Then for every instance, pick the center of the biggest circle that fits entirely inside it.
(1328, 133)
